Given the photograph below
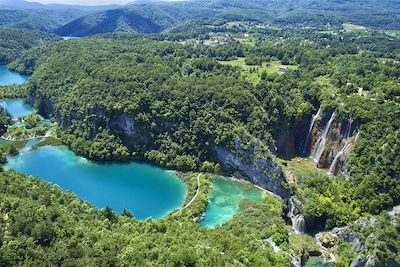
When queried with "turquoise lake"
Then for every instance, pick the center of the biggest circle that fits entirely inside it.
(317, 262)
(145, 190)
(8, 77)
(225, 201)
(17, 107)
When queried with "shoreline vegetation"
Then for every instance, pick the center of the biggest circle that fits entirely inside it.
(202, 98)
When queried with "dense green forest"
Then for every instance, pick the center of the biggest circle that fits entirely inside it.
(231, 76)
(150, 17)
(38, 20)
(14, 42)
(41, 225)
(182, 103)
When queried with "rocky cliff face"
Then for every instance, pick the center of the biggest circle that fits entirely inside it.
(359, 235)
(242, 162)
(245, 164)
(121, 124)
(326, 137)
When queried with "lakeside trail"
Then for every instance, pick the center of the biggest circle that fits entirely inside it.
(25, 139)
(192, 200)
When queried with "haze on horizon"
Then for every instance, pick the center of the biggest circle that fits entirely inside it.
(83, 2)
(88, 2)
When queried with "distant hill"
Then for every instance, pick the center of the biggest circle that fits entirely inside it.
(13, 42)
(152, 17)
(30, 15)
(117, 20)
(41, 20)
(157, 16)
(20, 4)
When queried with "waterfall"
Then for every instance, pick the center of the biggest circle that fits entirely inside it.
(322, 139)
(294, 262)
(348, 132)
(344, 149)
(314, 118)
(298, 221)
(274, 246)
(327, 255)
(299, 224)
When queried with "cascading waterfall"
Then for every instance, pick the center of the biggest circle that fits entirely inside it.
(294, 262)
(322, 139)
(348, 132)
(345, 148)
(313, 120)
(299, 224)
(298, 221)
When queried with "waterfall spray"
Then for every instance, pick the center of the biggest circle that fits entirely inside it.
(322, 140)
(313, 120)
(298, 221)
(345, 148)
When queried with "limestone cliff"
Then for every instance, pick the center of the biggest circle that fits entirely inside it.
(245, 164)
(327, 137)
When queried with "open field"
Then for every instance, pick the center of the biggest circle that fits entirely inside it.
(253, 73)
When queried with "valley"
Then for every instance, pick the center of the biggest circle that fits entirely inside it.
(231, 133)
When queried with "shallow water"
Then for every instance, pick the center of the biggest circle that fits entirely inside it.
(17, 107)
(225, 201)
(317, 262)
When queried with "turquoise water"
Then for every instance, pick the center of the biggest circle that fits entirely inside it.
(8, 77)
(143, 189)
(317, 262)
(225, 201)
(17, 107)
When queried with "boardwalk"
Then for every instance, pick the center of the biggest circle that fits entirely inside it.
(193, 199)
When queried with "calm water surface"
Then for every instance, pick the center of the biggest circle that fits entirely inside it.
(225, 201)
(317, 262)
(145, 190)
(17, 107)
(8, 77)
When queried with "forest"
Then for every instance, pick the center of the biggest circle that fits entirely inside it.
(41, 225)
(184, 103)
(191, 86)
(14, 42)
(161, 16)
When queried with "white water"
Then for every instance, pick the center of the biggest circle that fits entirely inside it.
(299, 224)
(313, 120)
(294, 262)
(273, 245)
(327, 255)
(348, 132)
(322, 140)
(344, 149)
(298, 221)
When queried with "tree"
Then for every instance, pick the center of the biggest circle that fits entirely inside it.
(127, 213)
(285, 60)
(109, 214)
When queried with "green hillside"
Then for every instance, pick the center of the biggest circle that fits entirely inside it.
(14, 42)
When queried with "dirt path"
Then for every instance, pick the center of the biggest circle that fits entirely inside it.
(193, 199)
